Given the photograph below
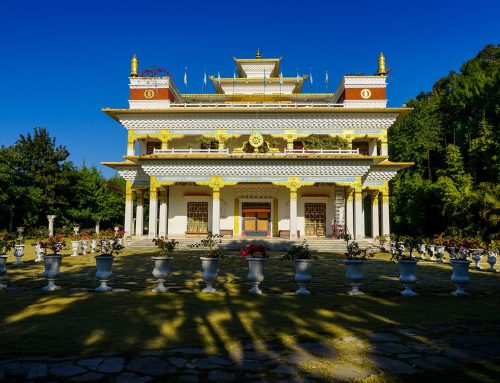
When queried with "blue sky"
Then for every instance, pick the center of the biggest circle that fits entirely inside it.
(62, 61)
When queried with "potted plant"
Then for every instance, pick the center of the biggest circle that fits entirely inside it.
(37, 236)
(440, 243)
(107, 246)
(460, 271)
(474, 246)
(7, 242)
(493, 249)
(355, 258)
(422, 247)
(256, 256)
(52, 262)
(19, 248)
(210, 260)
(303, 265)
(75, 242)
(407, 265)
(85, 238)
(382, 240)
(161, 270)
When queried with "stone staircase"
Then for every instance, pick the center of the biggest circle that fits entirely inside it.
(323, 245)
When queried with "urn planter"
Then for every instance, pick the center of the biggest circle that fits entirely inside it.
(93, 246)
(75, 245)
(209, 267)
(161, 272)
(354, 275)
(255, 273)
(303, 275)
(492, 260)
(52, 265)
(476, 257)
(18, 253)
(460, 276)
(408, 276)
(85, 245)
(440, 254)
(421, 250)
(432, 252)
(3, 268)
(39, 251)
(104, 265)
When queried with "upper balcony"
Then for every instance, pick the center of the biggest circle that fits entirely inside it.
(226, 151)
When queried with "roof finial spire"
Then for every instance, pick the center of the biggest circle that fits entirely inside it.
(257, 56)
(134, 66)
(381, 65)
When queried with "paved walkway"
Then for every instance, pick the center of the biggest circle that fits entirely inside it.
(399, 351)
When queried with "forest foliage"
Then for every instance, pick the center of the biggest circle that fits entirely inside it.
(37, 179)
(453, 136)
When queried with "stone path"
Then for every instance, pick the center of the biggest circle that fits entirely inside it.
(399, 351)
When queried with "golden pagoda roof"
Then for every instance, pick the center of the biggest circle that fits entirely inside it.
(274, 73)
(269, 80)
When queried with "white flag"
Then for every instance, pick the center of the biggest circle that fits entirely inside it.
(310, 76)
(326, 77)
(185, 77)
(281, 78)
(234, 77)
(298, 77)
(218, 77)
(204, 78)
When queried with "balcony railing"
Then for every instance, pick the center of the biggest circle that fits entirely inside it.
(191, 151)
(226, 151)
(257, 105)
(322, 151)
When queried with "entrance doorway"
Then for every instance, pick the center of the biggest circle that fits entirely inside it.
(197, 217)
(315, 219)
(256, 219)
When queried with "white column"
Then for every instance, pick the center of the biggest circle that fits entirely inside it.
(372, 147)
(162, 230)
(153, 212)
(385, 212)
(216, 211)
(129, 208)
(375, 217)
(384, 148)
(293, 213)
(131, 148)
(359, 221)
(349, 213)
(51, 224)
(97, 226)
(139, 213)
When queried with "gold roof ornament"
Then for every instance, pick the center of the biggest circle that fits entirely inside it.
(257, 55)
(134, 66)
(381, 65)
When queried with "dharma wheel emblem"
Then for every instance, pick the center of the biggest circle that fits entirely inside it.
(256, 139)
(149, 93)
(366, 93)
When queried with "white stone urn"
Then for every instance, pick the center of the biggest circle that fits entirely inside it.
(440, 254)
(3, 268)
(476, 257)
(18, 253)
(408, 276)
(104, 266)
(209, 267)
(255, 273)
(75, 245)
(85, 244)
(460, 276)
(421, 251)
(93, 246)
(39, 251)
(161, 272)
(303, 275)
(354, 275)
(52, 265)
(432, 252)
(492, 260)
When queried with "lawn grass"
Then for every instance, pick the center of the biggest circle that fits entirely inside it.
(70, 321)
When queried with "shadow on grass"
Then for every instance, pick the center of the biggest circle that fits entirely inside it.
(232, 321)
